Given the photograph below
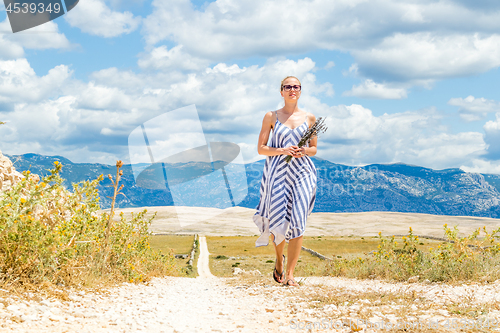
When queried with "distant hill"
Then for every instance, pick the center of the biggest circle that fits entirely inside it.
(378, 187)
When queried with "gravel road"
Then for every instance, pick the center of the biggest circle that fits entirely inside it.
(170, 304)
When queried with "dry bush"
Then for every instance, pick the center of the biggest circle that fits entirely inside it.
(51, 235)
(457, 259)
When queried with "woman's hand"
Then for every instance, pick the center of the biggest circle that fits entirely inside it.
(300, 152)
(290, 150)
(295, 151)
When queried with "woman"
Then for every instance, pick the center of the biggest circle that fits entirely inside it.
(288, 190)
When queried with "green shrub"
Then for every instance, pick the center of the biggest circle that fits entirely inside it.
(50, 234)
(456, 259)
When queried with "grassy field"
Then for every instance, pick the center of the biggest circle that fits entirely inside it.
(177, 245)
(240, 251)
(352, 247)
(352, 257)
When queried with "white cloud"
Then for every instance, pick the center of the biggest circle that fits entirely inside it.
(390, 40)
(414, 14)
(95, 118)
(113, 77)
(486, 5)
(355, 136)
(120, 3)
(102, 97)
(492, 126)
(223, 68)
(95, 18)
(370, 89)
(100, 114)
(9, 49)
(329, 65)
(20, 84)
(482, 166)
(42, 37)
(175, 59)
(425, 55)
(472, 108)
(492, 138)
(236, 28)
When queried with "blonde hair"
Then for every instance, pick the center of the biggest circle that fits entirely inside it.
(288, 77)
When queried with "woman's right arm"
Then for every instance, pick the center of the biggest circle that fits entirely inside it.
(262, 147)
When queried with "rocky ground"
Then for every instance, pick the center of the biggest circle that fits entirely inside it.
(255, 303)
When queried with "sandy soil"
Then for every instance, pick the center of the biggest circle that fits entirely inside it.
(238, 221)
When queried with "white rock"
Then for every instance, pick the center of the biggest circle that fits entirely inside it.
(45, 302)
(443, 312)
(41, 308)
(54, 317)
(56, 303)
(13, 307)
(55, 310)
(29, 317)
(237, 271)
(413, 279)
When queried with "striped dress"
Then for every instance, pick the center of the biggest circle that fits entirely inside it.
(287, 190)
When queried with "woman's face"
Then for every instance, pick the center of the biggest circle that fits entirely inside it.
(292, 94)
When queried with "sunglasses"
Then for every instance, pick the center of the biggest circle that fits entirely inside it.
(289, 87)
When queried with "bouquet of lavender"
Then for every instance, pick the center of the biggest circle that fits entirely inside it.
(318, 127)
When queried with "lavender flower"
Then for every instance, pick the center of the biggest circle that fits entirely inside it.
(318, 127)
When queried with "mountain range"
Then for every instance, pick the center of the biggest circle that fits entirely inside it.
(377, 187)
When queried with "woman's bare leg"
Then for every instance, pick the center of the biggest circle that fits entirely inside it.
(294, 247)
(279, 255)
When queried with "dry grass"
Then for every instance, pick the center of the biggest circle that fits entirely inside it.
(240, 251)
(171, 243)
(463, 259)
(353, 247)
(177, 244)
(460, 259)
(193, 271)
(50, 236)
(403, 307)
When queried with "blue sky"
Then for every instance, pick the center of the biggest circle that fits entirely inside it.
(400, 81)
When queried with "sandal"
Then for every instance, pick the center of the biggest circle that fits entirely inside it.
(291, 283)
(276, 276)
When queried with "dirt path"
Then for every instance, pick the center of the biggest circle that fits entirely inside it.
(171, 304)
(203, 260)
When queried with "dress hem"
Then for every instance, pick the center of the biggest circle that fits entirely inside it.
(263, 224)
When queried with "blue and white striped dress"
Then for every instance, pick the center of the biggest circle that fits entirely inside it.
(287, 190)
